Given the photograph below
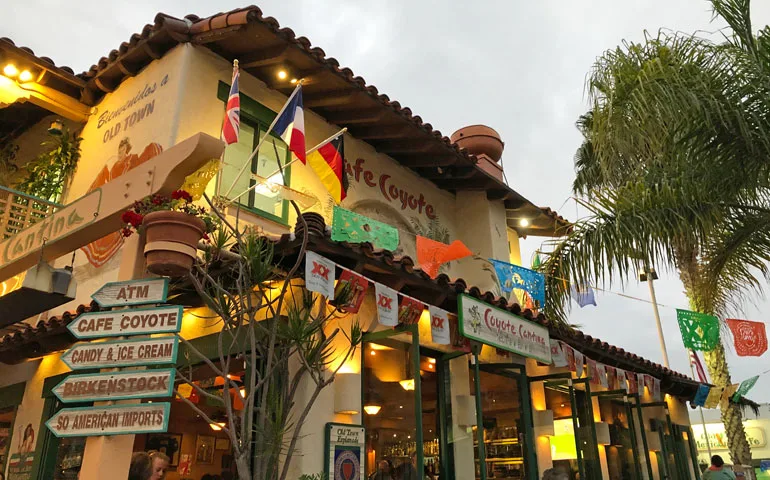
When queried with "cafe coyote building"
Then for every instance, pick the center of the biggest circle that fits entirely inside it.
(90, 346)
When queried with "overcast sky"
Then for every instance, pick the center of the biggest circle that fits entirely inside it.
(518, 66)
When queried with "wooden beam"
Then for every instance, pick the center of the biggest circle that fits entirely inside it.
(385, 132)
(127, 70)
(449, 173)
(329, 98)
(151, 51)
(272, 80)
(499, 194)
(356, 116)
(213, 35)
(264, 57)
(464, 184)
(103, 86)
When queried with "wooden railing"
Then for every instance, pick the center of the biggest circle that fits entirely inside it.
(19, 211)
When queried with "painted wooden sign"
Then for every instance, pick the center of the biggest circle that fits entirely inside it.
(110, 420)
(122, 353)
(132, 292)
(502, 329)
(134, 321)
(95, 387)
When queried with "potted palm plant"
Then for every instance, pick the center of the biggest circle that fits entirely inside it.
(173, 226)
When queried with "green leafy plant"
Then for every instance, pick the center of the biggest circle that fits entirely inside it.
(49, 173)
(179, 201)
(280, 333)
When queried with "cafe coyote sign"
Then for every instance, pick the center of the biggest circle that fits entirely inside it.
(122, 353)
(502, 329)
(135, 321)
(132, 292)
(110, 420)
(95, 387)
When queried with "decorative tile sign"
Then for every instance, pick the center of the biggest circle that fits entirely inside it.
(499, 328)
(122, 353)
(135, 321)
(132, 292)
(95, 387)
(110, 420)
(345, 449)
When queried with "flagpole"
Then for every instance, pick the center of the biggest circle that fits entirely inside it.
(702, 418)
(336, 135)
(261, 140)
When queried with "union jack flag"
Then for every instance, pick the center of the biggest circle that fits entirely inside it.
(232, 125)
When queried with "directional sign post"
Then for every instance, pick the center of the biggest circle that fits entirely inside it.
(134, 321)
(96, 387)
(110, 420)
(132, 292)
(122, 353)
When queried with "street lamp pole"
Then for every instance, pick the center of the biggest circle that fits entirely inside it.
(649, 275)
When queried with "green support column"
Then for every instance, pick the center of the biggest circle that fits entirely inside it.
(417, 398)
(632, 431)
(530, 464)
(644, 435)
(479, 415)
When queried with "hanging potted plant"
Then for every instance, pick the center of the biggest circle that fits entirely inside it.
(173, 226)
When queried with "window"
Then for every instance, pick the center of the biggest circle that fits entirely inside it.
(263, 200)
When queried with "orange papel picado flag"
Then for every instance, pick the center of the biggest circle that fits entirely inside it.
(327, 163)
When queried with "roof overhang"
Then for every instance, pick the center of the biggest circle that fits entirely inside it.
(263, 48)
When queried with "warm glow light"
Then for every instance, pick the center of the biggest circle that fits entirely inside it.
(293, 81)
(25, 76)
(242, 392)
(523, 222)
(10, 70)
(407, 384)
(431, 360)
(377, 346)
(282, 74)
(372, 409)
(217, 426)
(372, 352)
(430, 366)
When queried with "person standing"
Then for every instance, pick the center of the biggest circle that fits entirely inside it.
(384, 471)
(717, 470)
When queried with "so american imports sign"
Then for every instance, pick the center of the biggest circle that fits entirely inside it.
(499, 328)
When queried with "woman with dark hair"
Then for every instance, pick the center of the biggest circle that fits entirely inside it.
(141, 466)
(28, 441)
(717, 470)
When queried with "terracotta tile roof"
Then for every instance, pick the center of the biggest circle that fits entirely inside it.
(21, 341)
(45, 60)
(220, 33)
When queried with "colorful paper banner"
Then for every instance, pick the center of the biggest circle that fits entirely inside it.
(357, 287)
(600, 368)
(557, 354)
(593, 371)
(432, 254)
(319, 274)
(387, 305)
(579, 358)
(633, 385)
(699, 331)
(515, 277)
(714, 396)
(724, 402)
(409, 310)
(744, 388)
(750, 338)
(439, 325)
(583, 295)
(701, 395)
(352, 227)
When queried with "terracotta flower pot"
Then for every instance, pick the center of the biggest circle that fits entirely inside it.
(172, 242)
(478, 140)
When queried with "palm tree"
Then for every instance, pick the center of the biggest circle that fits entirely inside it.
(673, 172)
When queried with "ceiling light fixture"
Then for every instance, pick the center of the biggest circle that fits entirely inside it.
(372, 409)
(282, 74)
(25, 76)
(217, 427)
(10, 70)
(523, 222)
(407, 384)
(294, 81)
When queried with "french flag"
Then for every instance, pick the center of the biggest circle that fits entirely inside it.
(290, 124)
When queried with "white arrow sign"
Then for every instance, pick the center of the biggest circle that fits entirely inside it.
(110, 420)
(95, 387)
(135, 321)
(132, 292)
(122, 353)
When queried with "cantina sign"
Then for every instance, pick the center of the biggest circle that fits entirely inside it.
(110, 420)
(389, 189)
(502, 329)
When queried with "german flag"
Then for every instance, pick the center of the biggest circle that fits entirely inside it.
(327, 162)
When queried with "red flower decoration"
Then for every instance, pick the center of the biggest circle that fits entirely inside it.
(181, 195)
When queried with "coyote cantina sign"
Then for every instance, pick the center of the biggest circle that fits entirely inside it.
(98, 213)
